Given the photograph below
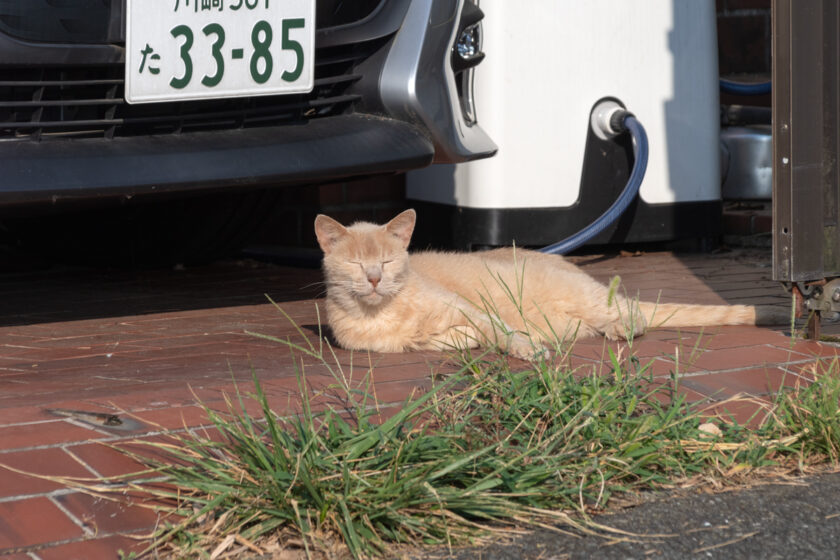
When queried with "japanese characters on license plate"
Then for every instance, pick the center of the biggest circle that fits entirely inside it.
(201, 49)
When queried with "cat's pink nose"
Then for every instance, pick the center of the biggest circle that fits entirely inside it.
(374, 280)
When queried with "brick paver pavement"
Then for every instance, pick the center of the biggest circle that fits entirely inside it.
(142, 345)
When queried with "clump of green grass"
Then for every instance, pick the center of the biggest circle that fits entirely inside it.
(486, 449)
(810, 415)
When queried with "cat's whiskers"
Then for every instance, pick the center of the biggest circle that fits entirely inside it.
(314, 284)
(320, 293)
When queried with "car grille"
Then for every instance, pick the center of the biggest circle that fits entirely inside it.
(38, 104)
(43, 103)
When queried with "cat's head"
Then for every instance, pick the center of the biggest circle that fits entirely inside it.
(365, 261)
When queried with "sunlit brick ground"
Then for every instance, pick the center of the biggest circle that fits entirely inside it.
(144, 345)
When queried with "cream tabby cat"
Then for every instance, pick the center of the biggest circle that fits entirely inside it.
(381, 298)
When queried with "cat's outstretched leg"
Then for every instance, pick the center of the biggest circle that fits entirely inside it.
(467, 336)
(456, 338)
(520, 346)
(616, 318)
(472, 328)
(627, 320)
(495, 331)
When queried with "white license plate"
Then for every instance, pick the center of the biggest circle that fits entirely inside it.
(204, 49)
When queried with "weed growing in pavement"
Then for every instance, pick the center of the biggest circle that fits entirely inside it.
(488, 449)
(485, 450)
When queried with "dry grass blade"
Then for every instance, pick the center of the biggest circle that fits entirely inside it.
(222, 546)
(725, 543)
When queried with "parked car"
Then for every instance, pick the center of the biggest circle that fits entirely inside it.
(182, 117)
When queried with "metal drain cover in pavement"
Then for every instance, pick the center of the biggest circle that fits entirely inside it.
(98, 419)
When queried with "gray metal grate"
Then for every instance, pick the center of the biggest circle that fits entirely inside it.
(39, 104)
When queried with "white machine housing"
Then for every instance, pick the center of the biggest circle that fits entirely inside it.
(548, 62)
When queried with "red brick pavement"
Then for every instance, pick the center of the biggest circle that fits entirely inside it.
(144, 345)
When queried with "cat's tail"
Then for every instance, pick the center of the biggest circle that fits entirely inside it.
(685, 315)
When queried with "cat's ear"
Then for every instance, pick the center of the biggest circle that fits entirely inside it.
(403, 226)
(328, 232)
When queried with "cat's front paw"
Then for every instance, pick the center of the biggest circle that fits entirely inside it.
(520, 346)
(626, 327)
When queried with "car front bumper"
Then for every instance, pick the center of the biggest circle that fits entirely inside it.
(316, 151)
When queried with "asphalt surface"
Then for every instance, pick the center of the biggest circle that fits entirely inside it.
(800, 520)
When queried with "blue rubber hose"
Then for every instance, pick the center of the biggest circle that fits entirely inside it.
(631, 189)
(742, 88)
